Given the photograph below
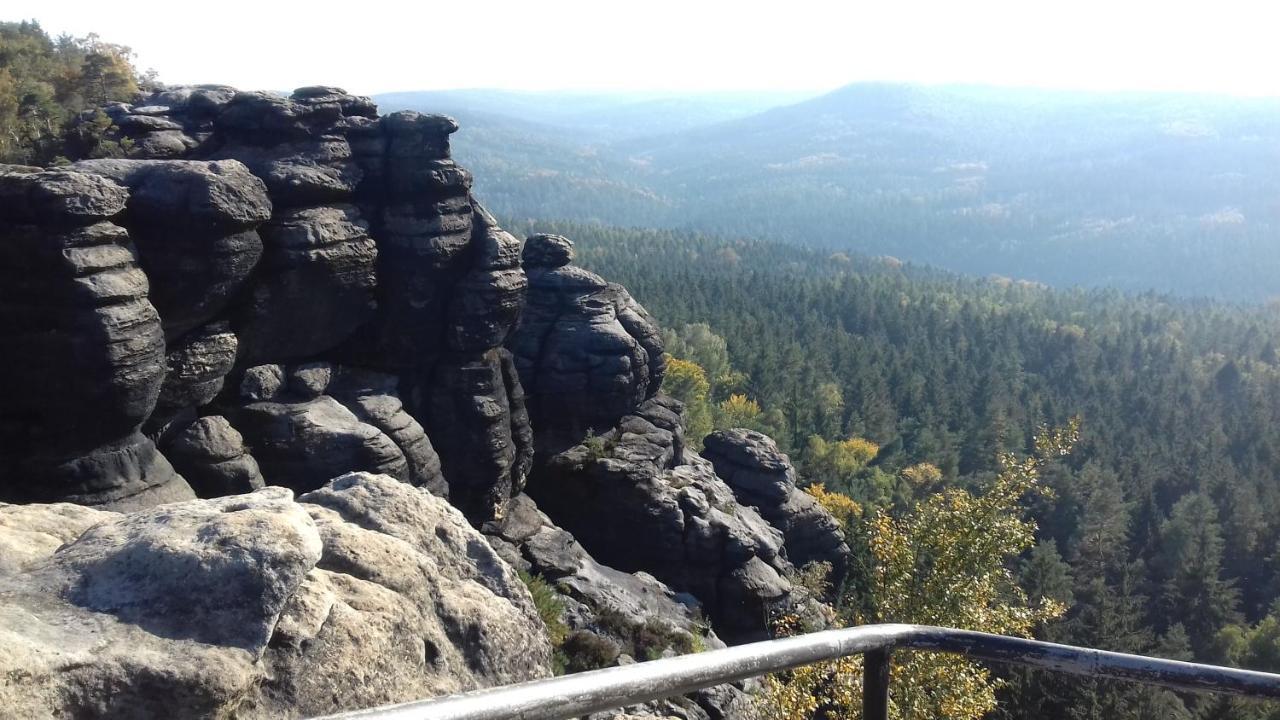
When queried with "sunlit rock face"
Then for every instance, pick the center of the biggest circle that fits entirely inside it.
(586, 351)
(762, 477)
(363, 592)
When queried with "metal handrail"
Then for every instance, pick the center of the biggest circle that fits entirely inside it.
(572, 696)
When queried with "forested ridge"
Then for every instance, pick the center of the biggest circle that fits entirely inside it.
(1160, 530)
(1166, 191)
(894, 386)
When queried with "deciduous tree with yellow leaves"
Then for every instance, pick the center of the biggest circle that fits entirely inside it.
(944, 561)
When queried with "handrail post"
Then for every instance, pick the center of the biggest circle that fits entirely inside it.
(875, 685)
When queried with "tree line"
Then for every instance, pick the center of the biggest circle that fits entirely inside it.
(1158, 533)
(46, 84)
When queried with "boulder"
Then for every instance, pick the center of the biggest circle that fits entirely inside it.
(365, 592)
(321, 420)
(762, 477)
(212, 456)
(637, 481)
(297, 441)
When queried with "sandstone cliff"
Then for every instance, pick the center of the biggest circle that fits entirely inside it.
(281, 291)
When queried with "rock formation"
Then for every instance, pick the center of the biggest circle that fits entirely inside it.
(763, 478)
(85, 351)
(587, 352)
(272, 292)
(365, 592)
(698, 539)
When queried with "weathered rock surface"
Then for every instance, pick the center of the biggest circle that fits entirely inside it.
(587, 353)
(280, 231)
(365, 592)
(194, 224)
(196, 368)
(762, 477)
(638, 482)
(373, 398)
(634, 615)
(298, 439)
(317, 420)
(212, 456)
(314, 288)
(376, 256)
(85, 349)
(473, 408)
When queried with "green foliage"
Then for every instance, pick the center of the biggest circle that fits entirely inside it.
(550, 606)
(1179, 399)
(45, 83)
(943, 561)
(696, 343)
(687, 382)
(598, 447)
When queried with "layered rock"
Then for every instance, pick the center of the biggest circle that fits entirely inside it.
(638, 482)
(377, 256)
(315, 420)
(85, 352)
(364, 592)
(587, 353)
(289, 230)
(213, 458)
(611, 617)
(196, 367)
(316, 284)
(762, 477)
(195, 226)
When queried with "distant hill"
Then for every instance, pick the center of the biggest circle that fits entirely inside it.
(1179, 193)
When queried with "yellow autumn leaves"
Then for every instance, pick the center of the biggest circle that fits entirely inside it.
(942, 561)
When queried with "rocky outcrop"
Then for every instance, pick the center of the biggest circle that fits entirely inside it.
(317, 420)
(214, 459)
(292, 230)
(364, 592)
(195, 227)
(638, 482)
(612, 617)
(762, 477)
(277, 291)
(587, 352)
(85, 352)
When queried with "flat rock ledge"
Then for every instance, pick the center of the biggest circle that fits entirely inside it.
(363, 592)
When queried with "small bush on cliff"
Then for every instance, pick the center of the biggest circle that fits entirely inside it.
(648, 640)
(598, 446)
(550, 607)
(584, 650)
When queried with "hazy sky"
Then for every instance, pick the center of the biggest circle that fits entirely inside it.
(374, 46)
